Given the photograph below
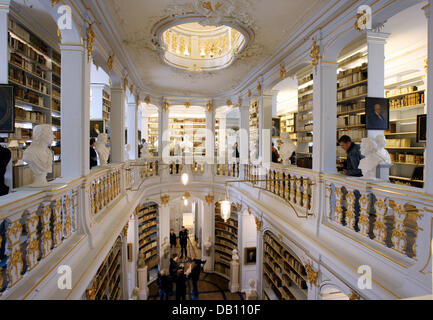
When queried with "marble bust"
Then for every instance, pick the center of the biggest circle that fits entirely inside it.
(127, 150)
(39, 156)
(369, 164)
(144, 151)
(102, 149)
(381, 151)
(287, 148)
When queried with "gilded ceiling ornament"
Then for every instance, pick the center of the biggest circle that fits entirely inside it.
(240, 101)
(209, 199)
(147, 99)
(131, 88)
(125, 229)
(126, 82)
(187, 105)
(283, 72)
(110, 62)
(90, 40)
(259, 89)
(249, 94)
(259, 224)
(312, 275)
(314, 54)
(239, 207)
(209, 106)
(229, 103)
(166, 105)
(165, 200)
(354, 296)
(59, 34)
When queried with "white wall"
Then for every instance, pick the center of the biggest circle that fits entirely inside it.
(248, 240)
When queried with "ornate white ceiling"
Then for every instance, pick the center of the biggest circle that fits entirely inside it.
(271, 23)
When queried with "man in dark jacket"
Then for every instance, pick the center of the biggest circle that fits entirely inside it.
(195, 276)
(173, 239)
(183, 241)
(93, 155)
(354, 157)
(180, 286)
(5, 158)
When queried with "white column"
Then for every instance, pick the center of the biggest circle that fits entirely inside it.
(208, 234)
(222, 137)
(4, 13)
(124, 266)
(376, 69)
(210, 136)
(164, 134)
(117, 125)
(244, 135)
(265, 119)
(234, 272)
(325, 117)
(164, 232)
(132, 130)
(259, 256)
(4, 66)
(428, 186)
(75, 111)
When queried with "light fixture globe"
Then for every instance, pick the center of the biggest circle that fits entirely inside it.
(185, 178)
(226, 207)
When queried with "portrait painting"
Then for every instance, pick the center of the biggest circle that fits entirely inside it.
(250, 256)
(7, 109)
(377, 113)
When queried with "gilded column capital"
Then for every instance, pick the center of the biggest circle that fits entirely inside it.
(209, 199)
(125, 229)
(312, 275)
(259, 224)
(165, 200)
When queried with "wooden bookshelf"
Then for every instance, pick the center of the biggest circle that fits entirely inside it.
(147, 216)
(106, 284)
(304, 119)
(189, 129)
(406, 103)
(226, 240)
(352, 83)
(284, 275)
(152, 134)
(34, 71)
(254, 129)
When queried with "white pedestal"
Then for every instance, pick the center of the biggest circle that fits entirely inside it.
(143, 292)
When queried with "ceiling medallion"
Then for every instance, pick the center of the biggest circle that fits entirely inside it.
(205, 35)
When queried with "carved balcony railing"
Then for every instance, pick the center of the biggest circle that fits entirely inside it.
(228, 169)
(382, 214)
(292, 184)
(33, 226)
(105, 186)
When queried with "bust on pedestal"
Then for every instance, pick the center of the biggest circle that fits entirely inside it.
(251, 293)
(143, 290)
(287, 148)
(234, 272)
(375, 156)
(39, 156)
(102, 149)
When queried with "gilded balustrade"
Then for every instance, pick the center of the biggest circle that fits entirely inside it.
(228, 169)
(382, 215)
(32, 228)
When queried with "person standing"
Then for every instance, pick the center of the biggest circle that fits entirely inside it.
(180, 286)
(5, 158)
(183, 241)
(195, 276)
(173, 239)
(354, 156)
(164, 285)
(93, 155)
(236, 151)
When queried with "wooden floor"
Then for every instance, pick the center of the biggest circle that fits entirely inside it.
(210, 286)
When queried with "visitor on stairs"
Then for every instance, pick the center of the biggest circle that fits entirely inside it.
(181, 285)
(174, 267)
(173, 239)
(183, 241)
(195, 276)
(164, 285)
